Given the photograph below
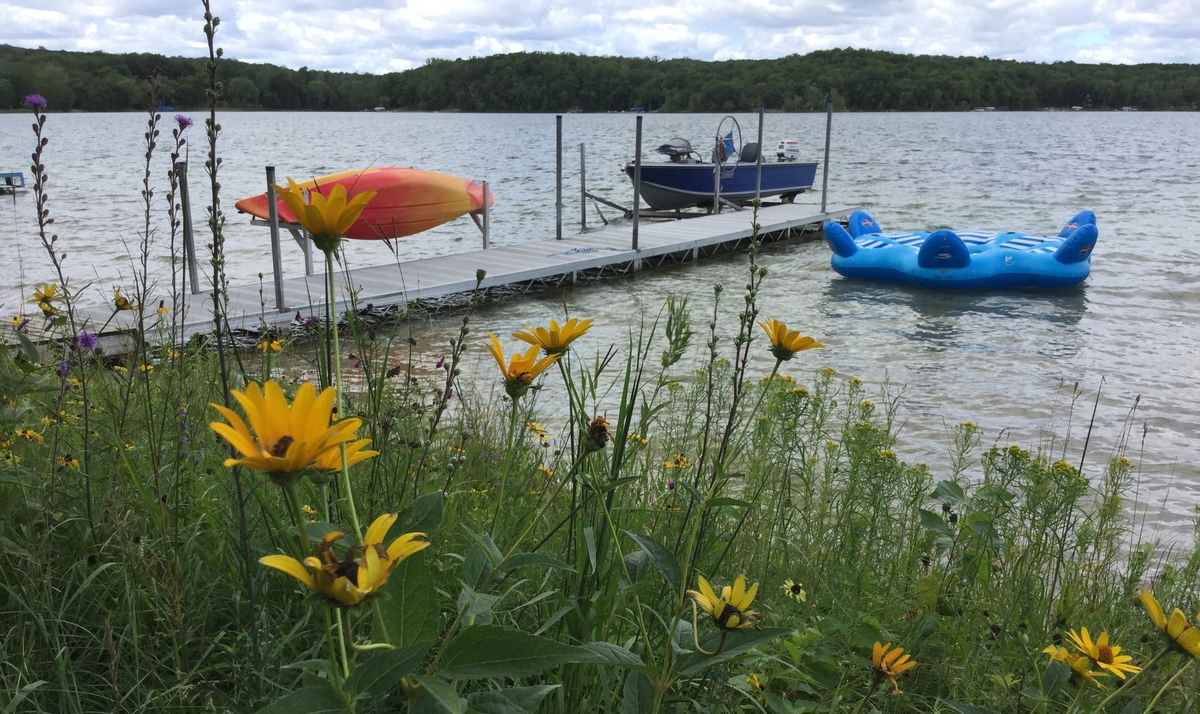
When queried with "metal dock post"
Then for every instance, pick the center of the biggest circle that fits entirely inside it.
(716, 157)
(758, 160)
(276, 252)
(825, 168)
(637, 181)
(558, 177)
(582, 188)
(189, 239)
(486, 216)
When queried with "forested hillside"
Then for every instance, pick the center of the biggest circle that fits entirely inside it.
(860, 80)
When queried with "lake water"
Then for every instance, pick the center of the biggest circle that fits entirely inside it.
(1000, 359)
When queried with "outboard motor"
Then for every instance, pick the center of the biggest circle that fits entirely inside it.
(676, 147)
(788, 150)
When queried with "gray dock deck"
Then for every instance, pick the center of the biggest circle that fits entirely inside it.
(430, 278)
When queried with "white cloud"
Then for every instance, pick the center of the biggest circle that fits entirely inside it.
(386, 35)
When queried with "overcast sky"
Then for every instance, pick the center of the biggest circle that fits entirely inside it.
(386, 35)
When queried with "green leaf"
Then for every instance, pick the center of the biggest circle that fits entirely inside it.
(931, 521)
(476, 568)
(662, 558)
(1055, 676)
(968, 708)
(21, 694)
(1133, 707)
(735, 644)
(637, 564)
(30, 349)
(411, 612)
(437, 695)
(949, 492)
(638, 696)
(520, 560)
(423, 515)
(528, 698)
(308, 700)
(492, 703)
(609, 653)
(476, 608)
(383, 671)
(725, 501)
(489, 546)
(493, 651)
(589, 540)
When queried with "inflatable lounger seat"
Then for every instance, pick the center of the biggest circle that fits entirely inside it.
(966, 259)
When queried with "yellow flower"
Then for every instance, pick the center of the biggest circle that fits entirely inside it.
(308, 510)
(679, 461)
(554, 339)
(753, 681)
(17, 321)
(8, 458)
(534, 426)
(1181, 635)
(162, 307)
(326, 219)
(784, 343)
(889, 663)
(800, 391)
(887, 455)
(520, 372)
(363, 570)
(794, 590)
(45, 297)
(282, 439)
(146, 368)
(172, 353)
(545, 469)
(68, 461)
(332, 460)
(1079, 664)
(129, 447)
(637, 439)
(732, 610)
(1105, 656)
(30, 435)
(120, 302)
(49, 421)
(272, 345)
(119, 368)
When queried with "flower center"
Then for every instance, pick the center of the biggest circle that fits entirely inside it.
(730, 612)
(795, 588)
(280, 449)
(1105, 654)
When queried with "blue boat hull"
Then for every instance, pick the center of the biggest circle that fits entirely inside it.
(944, 259)
(667, 186)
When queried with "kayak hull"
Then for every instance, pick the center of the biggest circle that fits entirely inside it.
(407, 201)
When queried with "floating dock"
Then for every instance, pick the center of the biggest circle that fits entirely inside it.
(543, 263)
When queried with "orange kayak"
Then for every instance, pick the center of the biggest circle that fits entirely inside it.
(407, 201)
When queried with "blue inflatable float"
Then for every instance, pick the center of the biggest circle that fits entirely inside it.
(967, 259)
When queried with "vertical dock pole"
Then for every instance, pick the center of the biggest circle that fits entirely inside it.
(825, 167)
(307, 246)
(637, 182)
(582, 189)
(189, 239)
(758, 160)
(558, 177)
(716, 157)
(276, 253)
(486, 217)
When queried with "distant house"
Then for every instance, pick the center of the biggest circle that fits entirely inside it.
(381, 109)
(1076, 109)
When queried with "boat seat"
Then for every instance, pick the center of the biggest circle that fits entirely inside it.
(749, 153)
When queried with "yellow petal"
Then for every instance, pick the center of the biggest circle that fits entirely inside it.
(379, 528)
(289, 565)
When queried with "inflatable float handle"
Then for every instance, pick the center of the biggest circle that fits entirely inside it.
(943, 249)
(1078, 246)
(839, 240)
(1082, 218)
(861, 224)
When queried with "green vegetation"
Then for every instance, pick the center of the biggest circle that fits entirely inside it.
(860, 80)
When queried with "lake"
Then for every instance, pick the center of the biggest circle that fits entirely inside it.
(1005, 360)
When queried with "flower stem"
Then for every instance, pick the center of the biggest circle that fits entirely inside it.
(512, 431)
(1165, 687)
(1125, 687)
(347, 493)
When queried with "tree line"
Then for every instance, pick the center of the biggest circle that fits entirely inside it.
(858, 80)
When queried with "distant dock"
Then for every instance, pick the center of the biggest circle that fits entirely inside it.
(544, 263)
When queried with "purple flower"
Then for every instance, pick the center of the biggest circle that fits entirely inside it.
(441, 363)
(480, 274)
(63, 369)
(358, 365)
(670, 485)
(184, 122)
(86, 341)
(35, 101)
